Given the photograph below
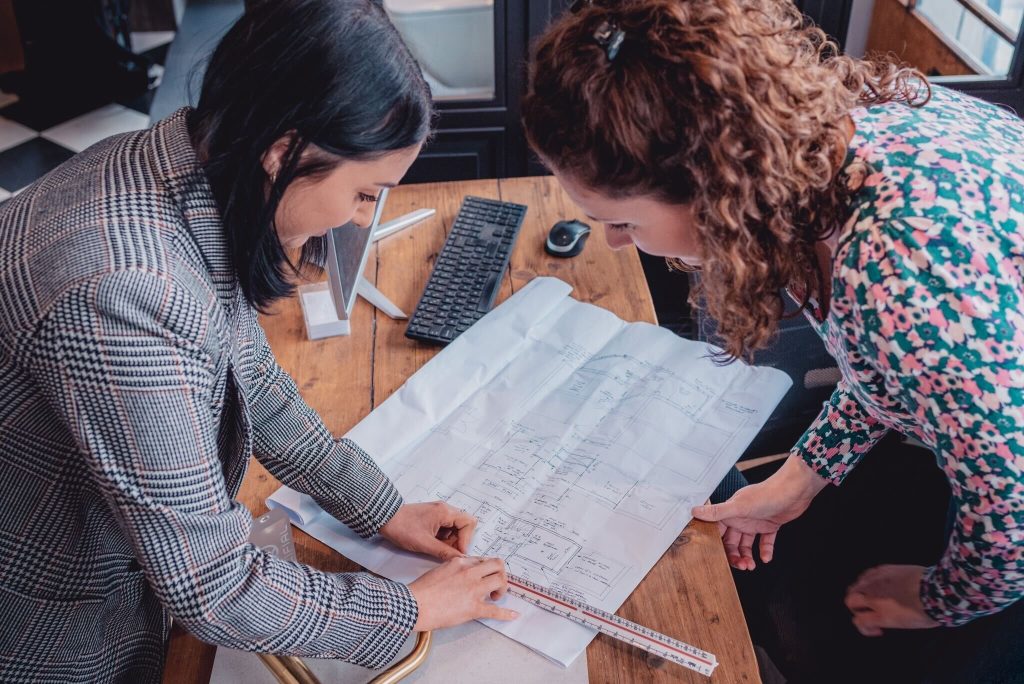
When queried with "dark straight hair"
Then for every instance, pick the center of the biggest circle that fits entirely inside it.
(332, 75)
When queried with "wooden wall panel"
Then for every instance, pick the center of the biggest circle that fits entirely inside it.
(910, 37)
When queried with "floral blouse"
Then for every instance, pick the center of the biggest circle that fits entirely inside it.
(926, 322)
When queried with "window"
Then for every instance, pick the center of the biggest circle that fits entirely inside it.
(981, 31)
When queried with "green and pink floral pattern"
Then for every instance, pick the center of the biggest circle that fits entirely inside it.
(926, 322)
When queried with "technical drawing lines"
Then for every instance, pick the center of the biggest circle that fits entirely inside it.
(534, 551)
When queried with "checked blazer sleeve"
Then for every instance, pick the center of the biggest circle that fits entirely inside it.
(290, 439)
(127, 359)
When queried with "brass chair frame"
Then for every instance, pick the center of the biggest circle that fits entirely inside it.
(291, 670)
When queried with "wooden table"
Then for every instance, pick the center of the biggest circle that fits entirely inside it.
(689, 594)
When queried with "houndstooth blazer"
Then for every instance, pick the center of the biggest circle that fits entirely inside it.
(136, 382)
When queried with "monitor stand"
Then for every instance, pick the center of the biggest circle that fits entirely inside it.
(319, 313)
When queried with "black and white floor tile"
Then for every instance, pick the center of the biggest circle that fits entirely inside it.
(35, 138)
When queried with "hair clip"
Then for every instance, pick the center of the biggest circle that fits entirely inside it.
(609, 36)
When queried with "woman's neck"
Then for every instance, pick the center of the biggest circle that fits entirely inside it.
(825, 250)
(817, 301)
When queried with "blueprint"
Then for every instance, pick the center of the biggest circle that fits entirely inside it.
(579, 441)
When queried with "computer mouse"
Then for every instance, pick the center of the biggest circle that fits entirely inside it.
(567, 238)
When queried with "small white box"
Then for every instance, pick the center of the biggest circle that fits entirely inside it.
(319, 313)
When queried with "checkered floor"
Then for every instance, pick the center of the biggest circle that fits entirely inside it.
(35, 139)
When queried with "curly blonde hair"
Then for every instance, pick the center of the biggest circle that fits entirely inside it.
(737, 107)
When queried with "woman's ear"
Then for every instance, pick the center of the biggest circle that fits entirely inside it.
(273, 158)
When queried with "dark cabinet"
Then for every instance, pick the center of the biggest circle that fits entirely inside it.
(461, 154)
(477, 79)
(483, 138)
(833, 16)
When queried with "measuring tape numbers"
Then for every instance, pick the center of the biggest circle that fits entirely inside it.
(618, 628)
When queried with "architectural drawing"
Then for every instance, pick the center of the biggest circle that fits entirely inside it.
(580, 443)
(604, 439)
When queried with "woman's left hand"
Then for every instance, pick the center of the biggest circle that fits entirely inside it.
(434, 528)
(888, 597)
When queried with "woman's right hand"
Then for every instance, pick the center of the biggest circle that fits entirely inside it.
(761, 509)
(458, 591)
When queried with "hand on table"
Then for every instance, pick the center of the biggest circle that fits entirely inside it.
(458, 592)
(761, 509)
(888, 597)
(435, 529)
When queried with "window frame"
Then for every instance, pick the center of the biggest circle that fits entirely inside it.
(834, 18)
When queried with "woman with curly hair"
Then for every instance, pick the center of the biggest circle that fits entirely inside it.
(729, 137)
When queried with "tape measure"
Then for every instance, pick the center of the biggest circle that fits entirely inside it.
(614, 626)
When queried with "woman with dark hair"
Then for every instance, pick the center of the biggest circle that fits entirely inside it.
(731, 138)
(138, 381)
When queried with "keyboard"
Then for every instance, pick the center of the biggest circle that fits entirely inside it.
(468, 272)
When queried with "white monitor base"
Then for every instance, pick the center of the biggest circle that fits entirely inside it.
(319, 313)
